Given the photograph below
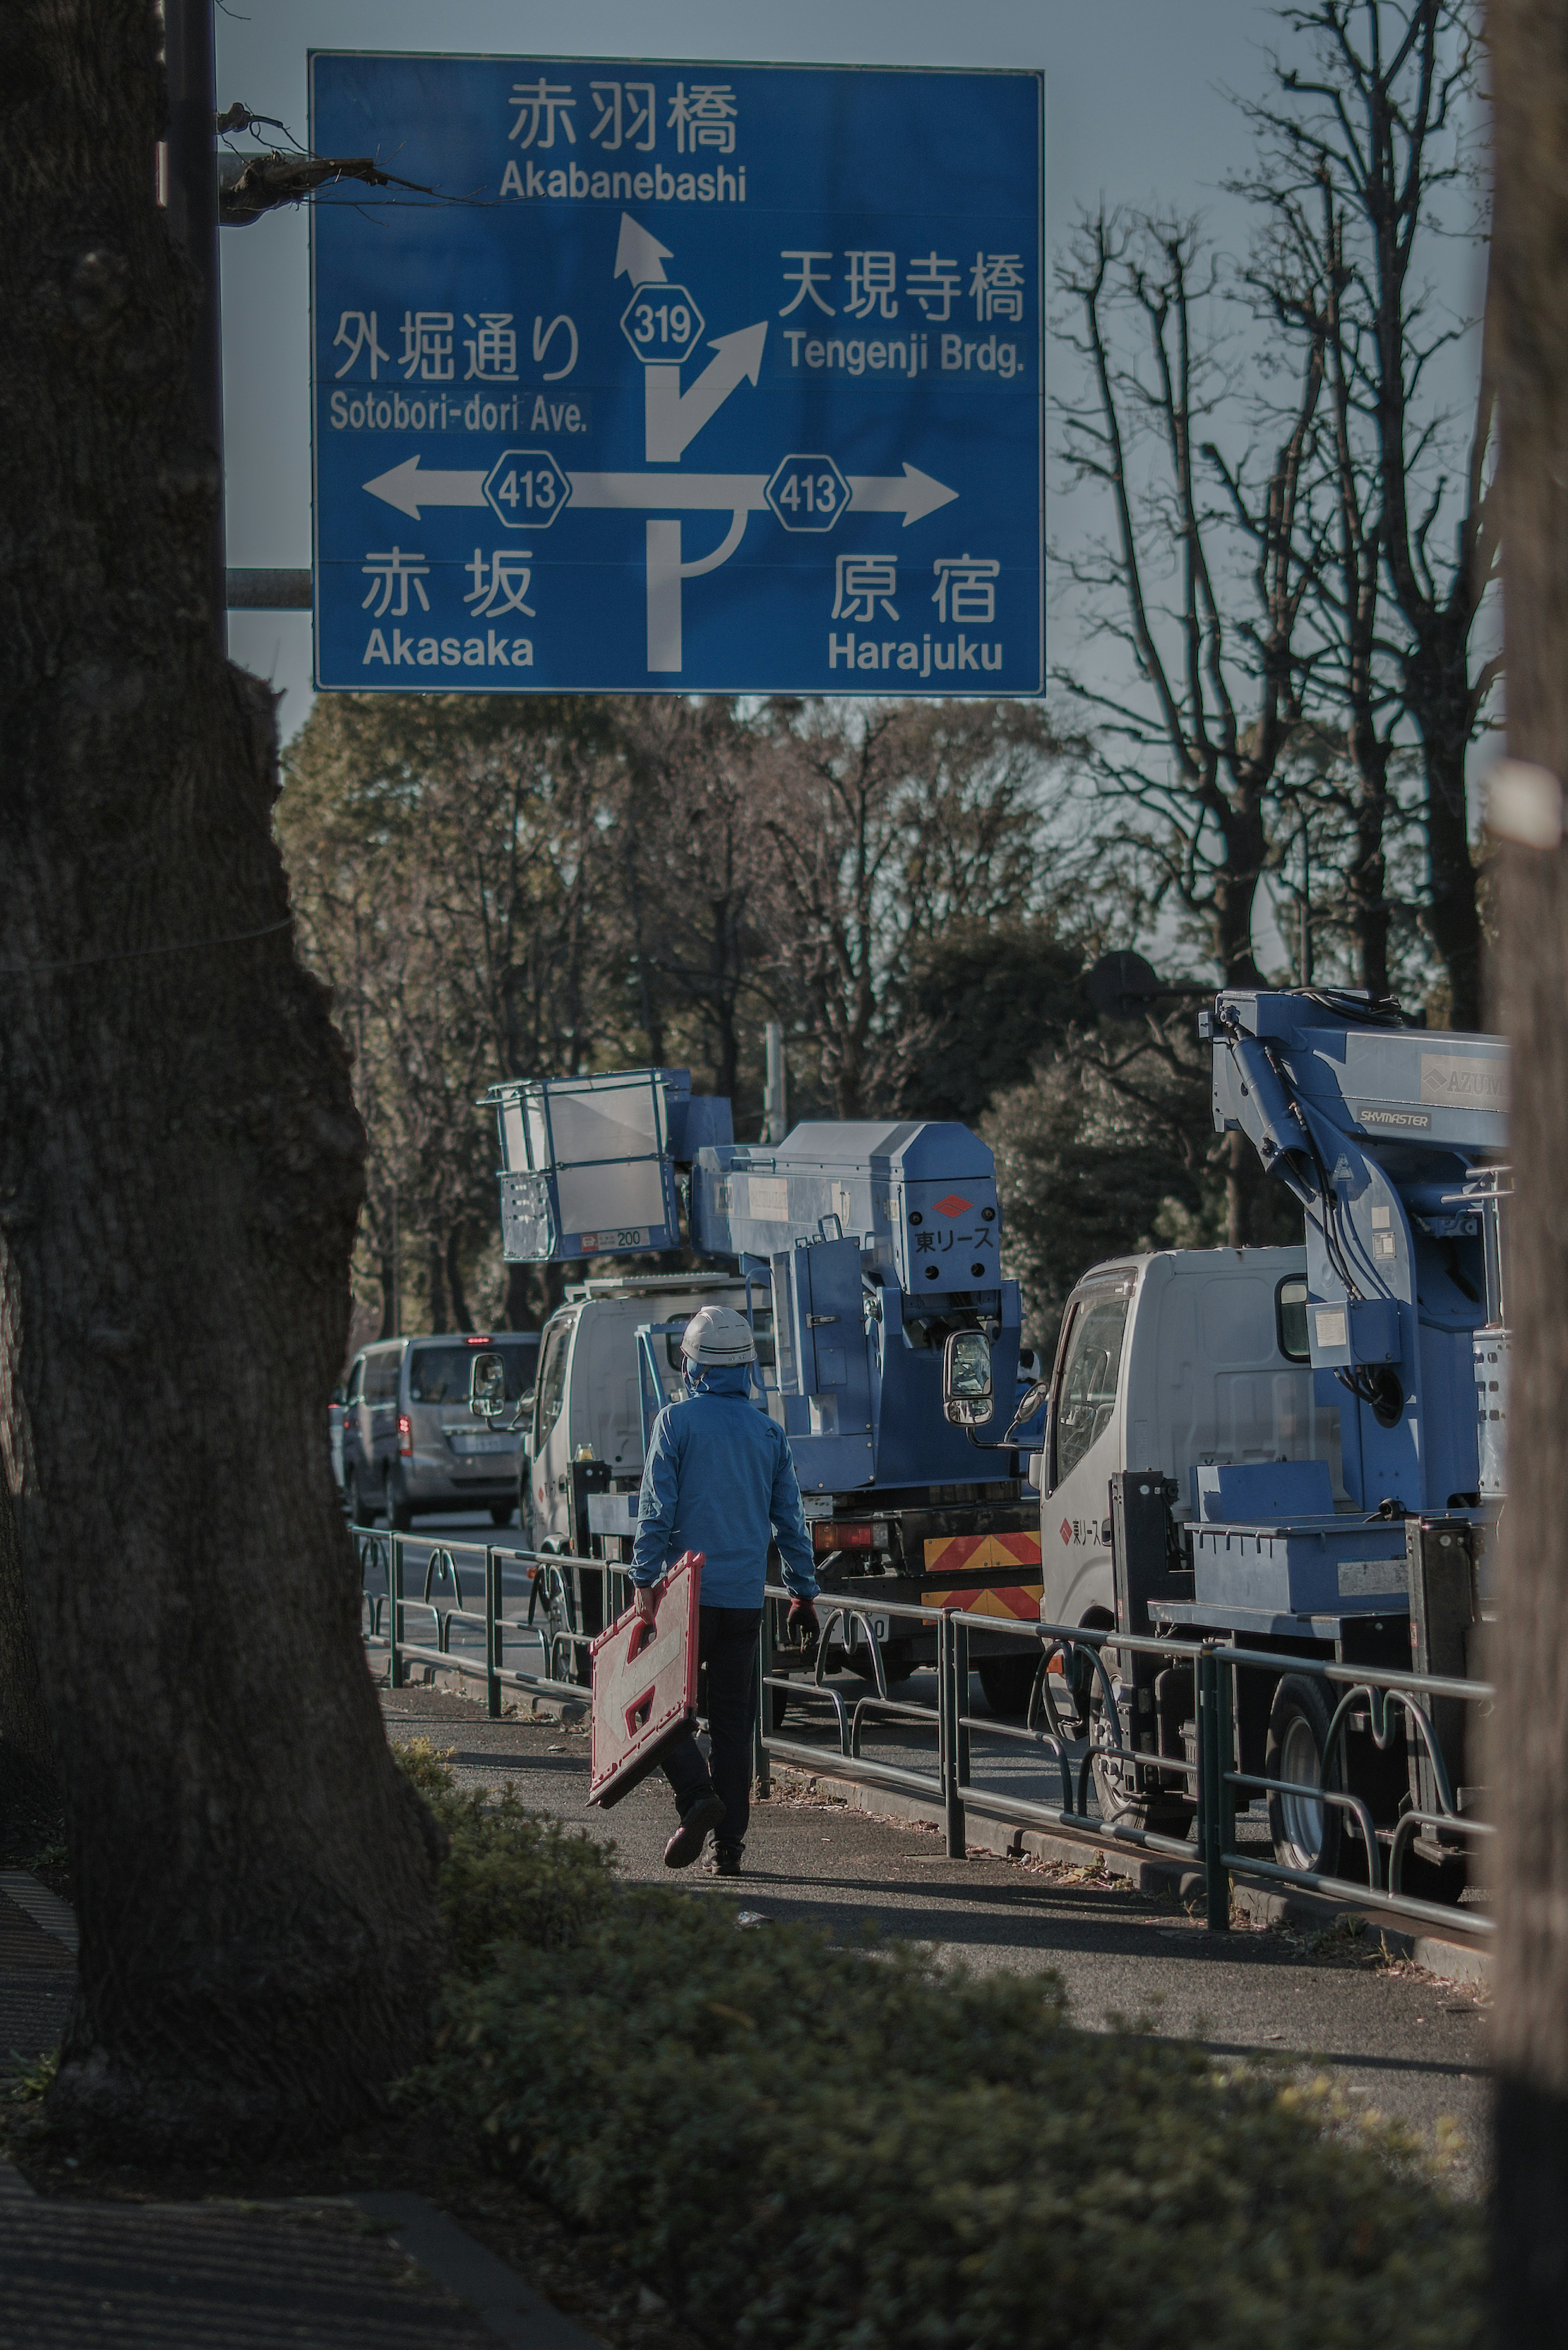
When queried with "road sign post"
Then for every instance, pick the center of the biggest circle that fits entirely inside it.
(694, 377)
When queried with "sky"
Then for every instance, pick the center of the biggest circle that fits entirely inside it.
(1135, 113)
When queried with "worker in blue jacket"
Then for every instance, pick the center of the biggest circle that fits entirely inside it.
(719, 1479)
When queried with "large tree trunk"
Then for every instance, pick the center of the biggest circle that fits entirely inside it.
(1528, 328)
(181, 1169)
(29, 1785)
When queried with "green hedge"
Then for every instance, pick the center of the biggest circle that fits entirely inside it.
(802, 2146)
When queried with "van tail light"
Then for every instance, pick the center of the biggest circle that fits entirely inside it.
(405, 1435)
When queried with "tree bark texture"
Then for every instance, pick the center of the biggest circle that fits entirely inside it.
(29, 1785)
(1528, 332)
(180, 1170)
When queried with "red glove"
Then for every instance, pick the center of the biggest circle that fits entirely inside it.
(801, 1623)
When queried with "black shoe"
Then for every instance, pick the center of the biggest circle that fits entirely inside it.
(726, 1860)
(692, 1833)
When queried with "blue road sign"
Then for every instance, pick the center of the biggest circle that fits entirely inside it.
(711, 377)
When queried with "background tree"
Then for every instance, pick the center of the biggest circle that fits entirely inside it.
(1374, 136)
(1188, 754)
(887, 822)
(980, 1004)
(1528, 333)
(696, 874)
(180, 1178)
(1108, 1148)
(456, 870)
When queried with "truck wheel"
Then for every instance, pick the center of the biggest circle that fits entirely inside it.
(1307, 1834)
(898, 1663)
(362, 1511)
(399, 1509)
(501, 1513)
(1435, 1881)
(1008, 1682)
(1163, 1811)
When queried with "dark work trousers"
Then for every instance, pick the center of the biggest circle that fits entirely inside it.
(729, 1650)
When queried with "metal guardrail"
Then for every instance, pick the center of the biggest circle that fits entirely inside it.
(1213, 1779)
(384, 1615)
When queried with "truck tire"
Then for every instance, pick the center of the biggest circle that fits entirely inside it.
(1008, 1682)
(1162, 1811)
(898, 1663)
(501, 1513)
(362, 1511)
(1306, 1835)
(399, 1509)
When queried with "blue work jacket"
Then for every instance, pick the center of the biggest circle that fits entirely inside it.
(719, 1479)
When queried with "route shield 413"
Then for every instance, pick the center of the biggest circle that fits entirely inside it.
(701, 379)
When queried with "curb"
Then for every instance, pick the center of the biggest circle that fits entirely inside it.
(504, 2300)
(44, 1908)
(523, 1707)
(1260, 1905)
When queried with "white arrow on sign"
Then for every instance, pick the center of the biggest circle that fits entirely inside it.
(914, 497)
(672, 418)
(723, 492)
(407, 489)
(913, 493)
(640, 256)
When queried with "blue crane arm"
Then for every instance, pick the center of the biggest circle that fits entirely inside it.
(1384, 1134)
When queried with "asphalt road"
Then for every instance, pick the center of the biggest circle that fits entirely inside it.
(1385, 2036)
(452, 1531)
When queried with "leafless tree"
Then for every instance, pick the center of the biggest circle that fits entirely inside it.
(697, 776)
(1374, 136)
(887, 821)
(1190, 758)
(1190, 755)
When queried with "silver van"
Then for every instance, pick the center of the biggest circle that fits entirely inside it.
(411, 1445)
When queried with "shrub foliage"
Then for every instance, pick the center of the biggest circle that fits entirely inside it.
(810, 2147)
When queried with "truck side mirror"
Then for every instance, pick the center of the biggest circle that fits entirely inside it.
(487, 1386)
(1029, 1403)
(967, 1398)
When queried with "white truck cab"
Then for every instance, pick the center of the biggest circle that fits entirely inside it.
(586, 1404)
(1170, 1362)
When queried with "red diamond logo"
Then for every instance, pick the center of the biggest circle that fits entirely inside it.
(953, 1205)
(1066, 1530)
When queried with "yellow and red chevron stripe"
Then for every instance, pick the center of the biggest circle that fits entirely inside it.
(992, 1555)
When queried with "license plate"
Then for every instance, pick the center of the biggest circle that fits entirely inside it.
(481, 1443)
(849, 1632)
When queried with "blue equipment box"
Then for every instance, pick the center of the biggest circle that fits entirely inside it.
(1321, 1566)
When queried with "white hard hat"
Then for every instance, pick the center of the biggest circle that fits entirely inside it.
(717, 1336)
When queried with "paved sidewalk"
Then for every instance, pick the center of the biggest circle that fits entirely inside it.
(1393, 2039)
(364, 2272)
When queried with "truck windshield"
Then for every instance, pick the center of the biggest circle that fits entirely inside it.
(440, 1374)
(1086, 1391)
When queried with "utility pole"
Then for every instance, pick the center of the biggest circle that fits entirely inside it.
(192, 191)
(775, 1114)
